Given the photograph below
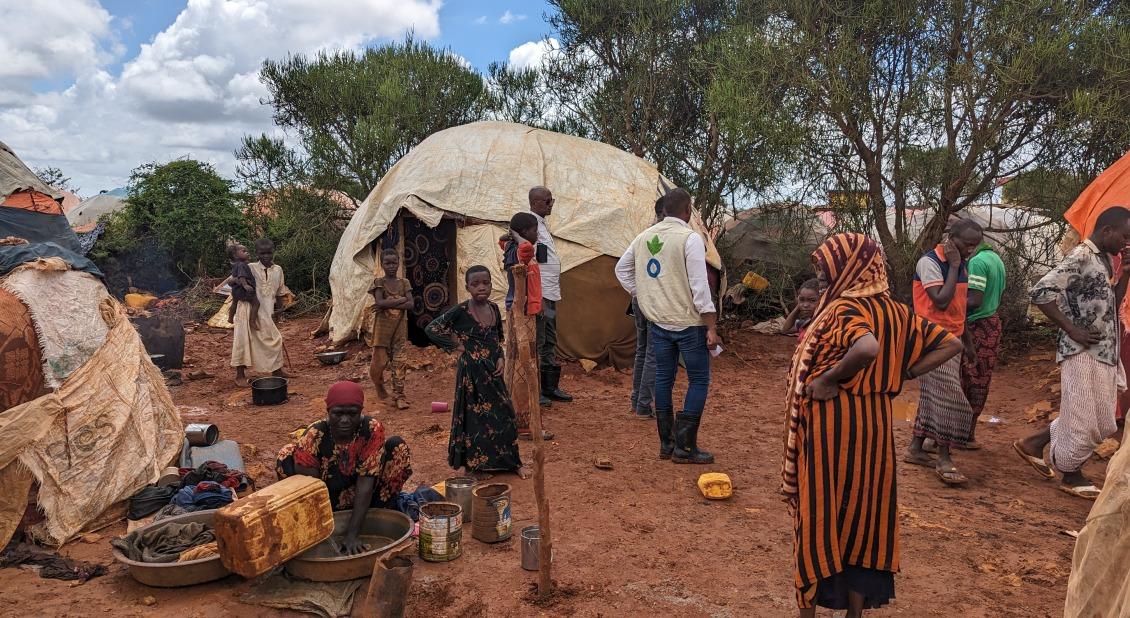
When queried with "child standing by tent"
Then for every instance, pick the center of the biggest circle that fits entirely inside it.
(393, 298)
(242, 284)
(260, 348)
(484, 431)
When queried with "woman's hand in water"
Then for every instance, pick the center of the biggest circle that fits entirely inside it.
(349, 545)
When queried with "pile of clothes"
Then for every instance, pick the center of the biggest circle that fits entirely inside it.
(172, 542)
(210, 485)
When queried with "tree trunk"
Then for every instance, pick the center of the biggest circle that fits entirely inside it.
(526, 393)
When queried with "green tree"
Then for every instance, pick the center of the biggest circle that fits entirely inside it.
(55, 177)
(355, 114)
(186, 209)
(635, 74)
(920, 104)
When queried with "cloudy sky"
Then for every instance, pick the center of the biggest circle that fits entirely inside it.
(98, 87)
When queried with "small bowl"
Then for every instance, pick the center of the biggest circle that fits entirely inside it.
(330, 358)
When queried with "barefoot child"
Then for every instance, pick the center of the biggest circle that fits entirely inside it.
(393, 299)
(242, 284)
(260, 348)
(801, 315)
(484, 431)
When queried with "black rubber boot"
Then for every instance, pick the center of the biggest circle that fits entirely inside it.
(686, 452)
(665, 422)
(701, 455)
(554, 391)
(543, 381)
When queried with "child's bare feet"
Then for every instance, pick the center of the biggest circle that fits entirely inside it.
(524, 472)
(241, 377)
(382, 393)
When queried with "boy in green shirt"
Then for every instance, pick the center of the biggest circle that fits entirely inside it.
(982, 337)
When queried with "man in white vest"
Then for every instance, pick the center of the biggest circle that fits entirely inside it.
(665, 270)
(541, 205)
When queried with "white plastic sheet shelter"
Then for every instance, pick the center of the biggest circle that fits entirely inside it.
(480, 175)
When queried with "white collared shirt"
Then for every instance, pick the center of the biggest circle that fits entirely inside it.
(551, 270)
(694, 251)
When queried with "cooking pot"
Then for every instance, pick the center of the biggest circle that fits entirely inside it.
(268, 391)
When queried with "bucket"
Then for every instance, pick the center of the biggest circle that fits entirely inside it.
(441, 531)
(491, 508)
(457, 489)
(202, 434)
(531, 545)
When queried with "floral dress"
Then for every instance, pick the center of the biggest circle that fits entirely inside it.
(484, 430)
(340, 465)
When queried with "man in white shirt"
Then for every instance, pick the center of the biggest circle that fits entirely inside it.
(665, 270)
(541, 205)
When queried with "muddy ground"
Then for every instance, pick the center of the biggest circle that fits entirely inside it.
(639, 539)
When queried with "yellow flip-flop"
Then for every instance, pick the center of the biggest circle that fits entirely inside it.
(1037, 463)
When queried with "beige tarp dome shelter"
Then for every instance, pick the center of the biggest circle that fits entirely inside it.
(460, 187)
(84, 217)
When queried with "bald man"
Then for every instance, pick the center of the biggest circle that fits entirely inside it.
(541, 205)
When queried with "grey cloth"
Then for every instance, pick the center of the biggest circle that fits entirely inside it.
(326, 599)
(163, 543)
(643, 374)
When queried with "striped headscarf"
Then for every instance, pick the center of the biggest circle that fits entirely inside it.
(852, 265)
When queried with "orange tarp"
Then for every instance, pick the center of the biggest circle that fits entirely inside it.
(1110, 188)
(33, 201)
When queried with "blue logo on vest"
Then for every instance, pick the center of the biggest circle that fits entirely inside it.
(653, 268)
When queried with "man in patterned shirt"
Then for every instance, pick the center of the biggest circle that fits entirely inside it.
(1081, 296)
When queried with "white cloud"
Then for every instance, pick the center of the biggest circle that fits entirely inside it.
(532, 53)
(480, 20)
(193, 90)
(52, 39)
(509, 18)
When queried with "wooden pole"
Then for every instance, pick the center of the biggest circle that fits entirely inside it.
(525, 331)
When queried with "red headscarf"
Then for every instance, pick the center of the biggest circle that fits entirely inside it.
(345, 394)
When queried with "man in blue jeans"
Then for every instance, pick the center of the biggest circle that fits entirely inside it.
(665, 270)
(643, 373)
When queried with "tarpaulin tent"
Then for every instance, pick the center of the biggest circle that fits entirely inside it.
(445, 203)
(85, 216)
(83, 411)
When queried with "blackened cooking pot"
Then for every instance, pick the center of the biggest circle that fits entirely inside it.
(268, 391)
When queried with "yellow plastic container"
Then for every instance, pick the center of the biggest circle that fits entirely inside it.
(273, 525)
(715, 486)
(754, 281)
(140, 301)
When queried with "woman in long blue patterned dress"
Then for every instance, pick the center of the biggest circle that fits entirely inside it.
(484, 428)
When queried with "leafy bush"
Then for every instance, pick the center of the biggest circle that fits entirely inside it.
(183, 209)
(305, 225)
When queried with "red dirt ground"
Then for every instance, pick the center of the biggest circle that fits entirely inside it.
(640, 539)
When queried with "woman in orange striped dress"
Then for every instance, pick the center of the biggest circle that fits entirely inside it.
(839, 472)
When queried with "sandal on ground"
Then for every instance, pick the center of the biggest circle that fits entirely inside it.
(645, 416)
(923, 460)
(951, 476)
(529, 435)
(1037, 463)
(603, 463)
(972, 445)
(1086, 492)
